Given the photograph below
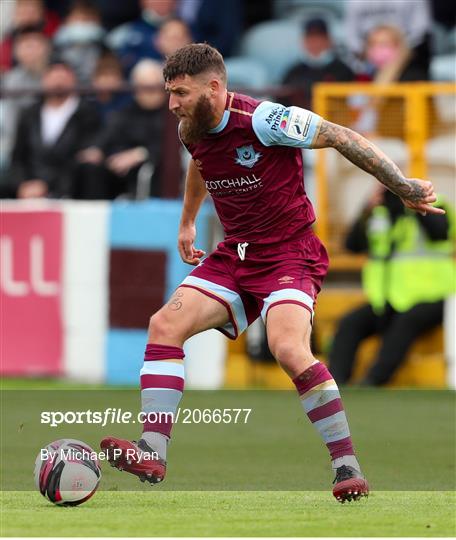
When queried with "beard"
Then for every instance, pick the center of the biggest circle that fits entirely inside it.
(193, 129)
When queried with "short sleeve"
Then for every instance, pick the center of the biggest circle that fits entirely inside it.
(275, 124)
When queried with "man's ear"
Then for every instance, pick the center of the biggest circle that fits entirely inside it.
(214, 86)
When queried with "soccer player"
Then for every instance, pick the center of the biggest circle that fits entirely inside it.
(247, 155)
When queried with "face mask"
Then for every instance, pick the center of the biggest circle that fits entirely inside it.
(322, 60)
(381, 55)
(79, 33)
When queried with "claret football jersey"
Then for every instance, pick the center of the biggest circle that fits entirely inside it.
(251, 164)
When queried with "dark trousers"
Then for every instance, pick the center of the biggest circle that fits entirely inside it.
(398, 331)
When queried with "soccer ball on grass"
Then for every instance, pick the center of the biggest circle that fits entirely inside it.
(67, 472)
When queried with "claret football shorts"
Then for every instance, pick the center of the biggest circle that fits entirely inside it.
(248, 279)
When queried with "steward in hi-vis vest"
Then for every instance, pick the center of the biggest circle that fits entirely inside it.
(409, 273)
(406, 265)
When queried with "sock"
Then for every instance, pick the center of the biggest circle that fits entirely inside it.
(321, 400)
(157, 441)
(162, 385)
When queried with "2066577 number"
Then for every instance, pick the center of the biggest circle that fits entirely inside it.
(216, 416)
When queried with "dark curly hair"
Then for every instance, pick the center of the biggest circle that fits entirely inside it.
(192, 60)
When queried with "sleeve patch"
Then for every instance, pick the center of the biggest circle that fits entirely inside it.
(296, 122)
(275, 124)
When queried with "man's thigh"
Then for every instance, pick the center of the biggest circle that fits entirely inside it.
(187, 313)
(289, 322)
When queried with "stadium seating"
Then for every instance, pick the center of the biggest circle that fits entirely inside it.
(275, 44)
(245, 73)
(285, 8)
(443, 67)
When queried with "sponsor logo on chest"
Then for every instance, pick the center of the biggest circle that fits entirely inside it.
(231, 186)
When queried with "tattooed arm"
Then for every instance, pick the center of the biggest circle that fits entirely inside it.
(416, 194)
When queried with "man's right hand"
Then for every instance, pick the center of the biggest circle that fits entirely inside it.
(189, 254)
(91, 155)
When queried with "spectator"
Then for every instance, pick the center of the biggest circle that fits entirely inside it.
(409, 274)
(108, 82)
(389, 60)
(31, 50)
(132, 138)
(113, 12)
(389, 56)
(49, 135)
(136, 40)
(80, 40)
(320, 63)
(27, 13)
(218, 23)
(172, 35)
(412, 17)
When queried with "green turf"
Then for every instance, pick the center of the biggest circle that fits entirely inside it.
(269, 477)
(405, 440)
(232, 514)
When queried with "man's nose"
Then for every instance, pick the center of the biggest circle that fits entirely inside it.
(173, 102)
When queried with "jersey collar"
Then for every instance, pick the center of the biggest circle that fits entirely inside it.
(222, 124)
(226, 116)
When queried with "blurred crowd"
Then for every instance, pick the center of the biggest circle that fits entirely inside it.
(83, 107)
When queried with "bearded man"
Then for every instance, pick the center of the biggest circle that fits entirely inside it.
(247, 155)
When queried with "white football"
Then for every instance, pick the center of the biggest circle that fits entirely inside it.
(67, 472)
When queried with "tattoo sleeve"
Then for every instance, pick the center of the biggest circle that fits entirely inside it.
(367, 157)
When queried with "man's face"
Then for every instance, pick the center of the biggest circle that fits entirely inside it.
(191, 101)
(172, 36)
(31, 50)
(149, 98)
(316, 43)
(28, 13)
(58, 81)
(164, 8)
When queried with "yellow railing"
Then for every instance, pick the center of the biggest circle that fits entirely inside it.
(417, 120)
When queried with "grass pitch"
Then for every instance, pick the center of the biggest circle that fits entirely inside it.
(269, 477)
(215, 513)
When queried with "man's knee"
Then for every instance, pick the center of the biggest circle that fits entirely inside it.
(162, 327)
(291, 353)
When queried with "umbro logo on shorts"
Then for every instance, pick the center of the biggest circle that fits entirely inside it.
(285, 279)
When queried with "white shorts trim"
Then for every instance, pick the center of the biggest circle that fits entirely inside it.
(232, 298)
(286, 294)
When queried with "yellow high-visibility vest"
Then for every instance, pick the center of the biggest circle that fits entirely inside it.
(405, 267)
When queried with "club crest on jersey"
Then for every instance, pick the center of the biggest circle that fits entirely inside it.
(247, 156)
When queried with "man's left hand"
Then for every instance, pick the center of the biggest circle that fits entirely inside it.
(420, 197)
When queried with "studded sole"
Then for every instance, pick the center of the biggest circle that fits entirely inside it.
(121, 464)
